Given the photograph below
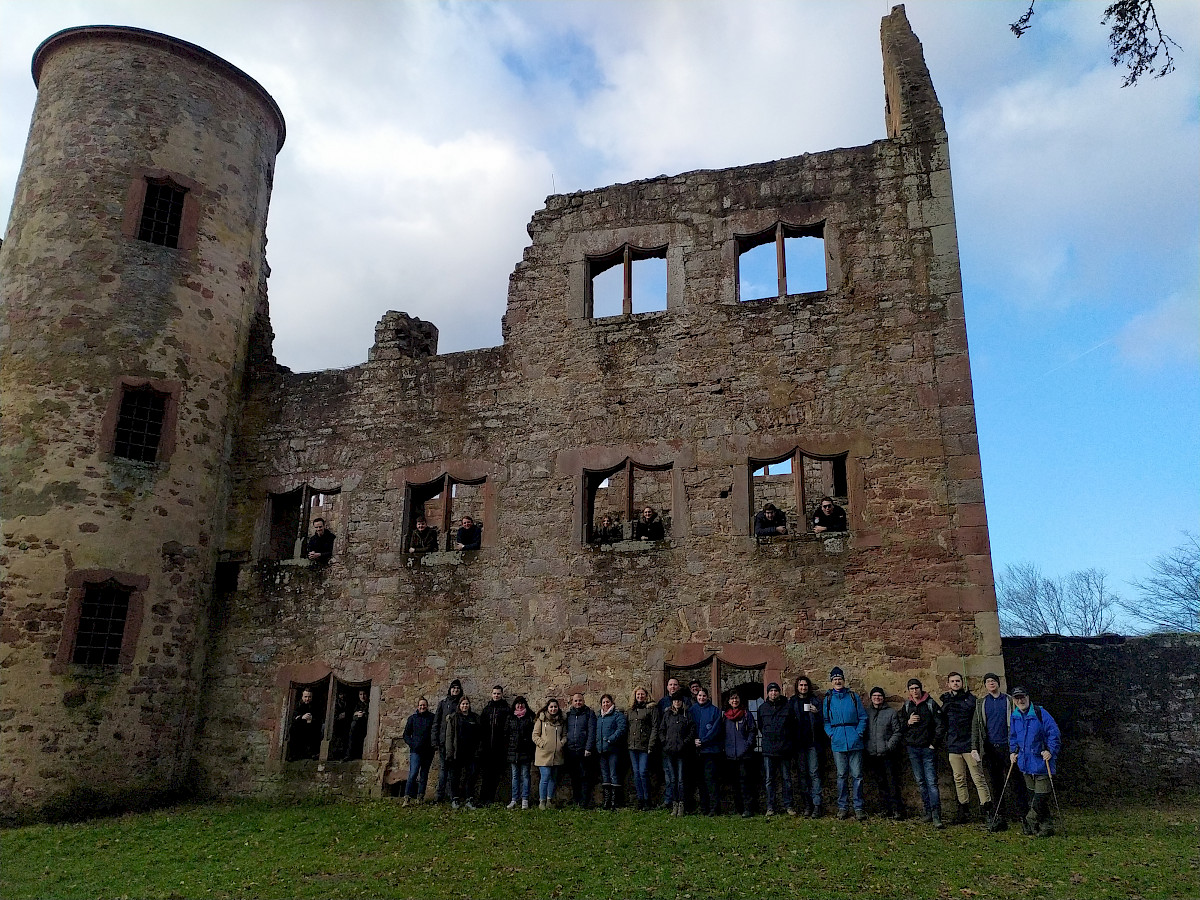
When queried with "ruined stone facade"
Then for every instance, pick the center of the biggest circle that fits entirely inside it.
(862, 388)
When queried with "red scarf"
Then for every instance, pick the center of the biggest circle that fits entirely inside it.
(734, 714)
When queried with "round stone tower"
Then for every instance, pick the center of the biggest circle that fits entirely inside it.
(129, 278)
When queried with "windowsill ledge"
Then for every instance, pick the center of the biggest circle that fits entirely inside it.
(441, 558)
(633, 546)
(833, 541)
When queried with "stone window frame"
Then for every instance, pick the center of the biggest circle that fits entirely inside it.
(732, 231)
(692, 656)
(593, 478)
(291, 680)
(581, 246)
(798, 455)
(451, 471)
(264, 539)
(170, 391)
(778, 233)
(135, 201)
(77, 582)
(625, 256)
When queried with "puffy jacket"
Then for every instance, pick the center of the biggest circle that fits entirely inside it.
(883, 731)
(664, 702)
(418, 732)
(581, 730)
(445, 707)
(642, 720)
(492, 721)
(979, 724)
(1030, 733)
(738, 735)
(461, 737)
(809, 726)
(958, 709)
(518, 739)
(708, 726)
(845, 720)
(611, 728)
(777, 728)
(550, 741)
(927, 731)
(676, 733)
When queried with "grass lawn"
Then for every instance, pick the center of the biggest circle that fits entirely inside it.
(378, 849)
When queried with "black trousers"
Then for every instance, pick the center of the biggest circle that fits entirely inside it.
(710, 797)
(579, 771)
(996, 764)
(884, 772)
(742, 777)
(492, 769)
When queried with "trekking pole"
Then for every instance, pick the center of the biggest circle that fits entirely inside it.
(1000, 803)
(1054, 794)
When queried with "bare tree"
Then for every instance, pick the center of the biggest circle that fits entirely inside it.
(1030, 603)
(1136, 38)
(1170, 598)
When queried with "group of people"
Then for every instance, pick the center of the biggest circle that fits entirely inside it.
(704, 750)
(424, 537)
(771, 521)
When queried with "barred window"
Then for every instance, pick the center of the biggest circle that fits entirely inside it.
(139, 424)
(162, 213)
(101, 629)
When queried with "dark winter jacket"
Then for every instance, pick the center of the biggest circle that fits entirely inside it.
(642, 719)
(809, 726)
(958, 709)
(664, 702)
(832, 521)
(518, 738)
(738, 735)
(470, 538)
(708, 726)
(764, 527)
(423, 540)
(319, 543)
(979, 724)
(611, 535)
(492, 721)
(461, 734)
(777, 728)
(1029, 734)
(581, 730)
(418, 732)
(928, 730)
(883, 731)
(845, 720)
(676, 733)
(651, 530)
(445, 707)
(611, 728)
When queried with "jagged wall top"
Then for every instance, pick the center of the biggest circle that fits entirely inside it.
(912, 109)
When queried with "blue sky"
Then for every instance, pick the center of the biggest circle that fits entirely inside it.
(422, 137)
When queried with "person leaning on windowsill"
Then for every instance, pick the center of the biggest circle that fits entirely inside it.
(829, 517)
(770, 522)
(423, 538)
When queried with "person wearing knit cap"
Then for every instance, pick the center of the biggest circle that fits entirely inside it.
(883, 753)
(445, 707)
(846, 724)
(989, 745)
(922, 727)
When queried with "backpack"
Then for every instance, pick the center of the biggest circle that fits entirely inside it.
(858, 707)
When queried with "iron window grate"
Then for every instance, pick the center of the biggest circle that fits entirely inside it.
(101, 625)
(139, 425)
(162, 214)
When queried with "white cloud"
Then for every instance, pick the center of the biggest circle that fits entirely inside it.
(1167, 334)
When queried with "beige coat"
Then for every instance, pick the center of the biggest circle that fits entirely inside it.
(549, 741)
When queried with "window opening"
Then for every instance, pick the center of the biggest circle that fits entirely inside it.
(306, 720)
(328, 720)
(795, 484)
(781, 260)
(348, 724)
(162, 213)
(101, 628)
(292, 515)
(721, 679)
(622, 493)
(444, 502)
(139, 424)
(634, 277)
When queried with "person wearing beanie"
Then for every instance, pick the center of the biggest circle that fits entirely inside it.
(922, 728)
(445, 707)
(883, 753)
(958, 709)
(846, 724)
(1034, 743)
(777, 727)
(989, 745)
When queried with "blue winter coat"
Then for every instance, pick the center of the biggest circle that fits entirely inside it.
(845, 720)
(738, 736)
(611, 730)
(1029, 734)
(708, 726)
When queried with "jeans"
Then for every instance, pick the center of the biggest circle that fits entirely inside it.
(777, 768)
(520, 781)
(418, 773)
(924, 768)
(851, 760)
(443, 785)
(610, 768)
(547, 782)
(669, 783)
(808, 774)
(641, 782)
(673, 770)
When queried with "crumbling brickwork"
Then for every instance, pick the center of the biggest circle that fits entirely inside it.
(677, 408)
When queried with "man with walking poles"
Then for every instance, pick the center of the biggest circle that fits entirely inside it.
(1034, 743)
(989, 746)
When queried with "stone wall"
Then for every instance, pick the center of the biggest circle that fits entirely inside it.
(1127, 707)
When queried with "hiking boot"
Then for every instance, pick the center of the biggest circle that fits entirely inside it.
(860, 815)
(791, 811)
(541, 804)
(963, 816)
(927, 817)
(1045, 826)
(843, 814)
(937, 819)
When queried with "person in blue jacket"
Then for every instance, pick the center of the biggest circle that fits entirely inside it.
(737, 736)
(708, 744)
(611, 729)
(846, 724)
(1034, 742)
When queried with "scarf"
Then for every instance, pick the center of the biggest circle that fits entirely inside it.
(734, 714)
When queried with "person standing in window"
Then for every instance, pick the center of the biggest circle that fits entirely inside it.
(304, 741)
(649, 527)
(418, 734)
(423, 539)
(770, 522)
(319, 546)
(469, 535)
(357, 732)
(829, 517)
(550, 739)
(461, 739)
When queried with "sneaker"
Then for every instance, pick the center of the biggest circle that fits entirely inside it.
(791, 812)
(861, 815)
(512, 804)
(524, 804)
(747, 814)
(404, 802)
(770, 812)
(454, 804)
(471, 805)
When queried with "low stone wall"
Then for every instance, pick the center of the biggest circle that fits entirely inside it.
(1127, 708)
